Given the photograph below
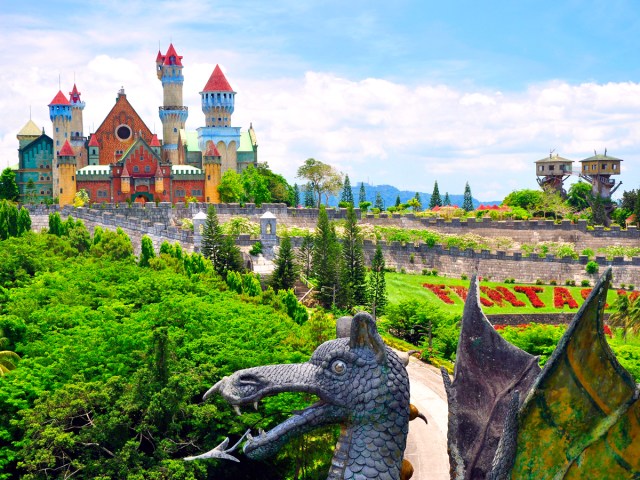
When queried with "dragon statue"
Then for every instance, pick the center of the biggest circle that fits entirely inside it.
(578, 418)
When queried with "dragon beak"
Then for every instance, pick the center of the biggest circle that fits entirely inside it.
(214, 389)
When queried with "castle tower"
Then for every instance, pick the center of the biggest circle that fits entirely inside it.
(218, 99)
(94, 151)
(28, 133)
(60, 115)
(77, 138)
(597, 170)
(173, 113)
(211, 162)
(552, 172)
(155, 145)
(66, 166)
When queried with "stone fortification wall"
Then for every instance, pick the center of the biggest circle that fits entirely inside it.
(161, 223)
(514, 319)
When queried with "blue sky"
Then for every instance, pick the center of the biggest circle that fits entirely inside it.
(403, 93)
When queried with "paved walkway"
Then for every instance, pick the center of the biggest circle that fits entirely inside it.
(427, 444)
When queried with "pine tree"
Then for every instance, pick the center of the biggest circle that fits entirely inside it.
(418, 202)
(296, 195)
(211, 236)
(146, 251)
(598, 213)
(362, 194)
(285, 274)
(309, 201)
(447, 201)
(8, 186)
(55, 224)
(467, 203)
(325, 260)
(435, 197)
(347, 193)
(229, 258)
(636, 210)
(353, 278)
(377, 284)
(379, 203)
(398, 202)
(304, 256)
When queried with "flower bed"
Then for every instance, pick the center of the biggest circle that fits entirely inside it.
(510, 297)
(562, 297)
(531, 293)
(440, 291)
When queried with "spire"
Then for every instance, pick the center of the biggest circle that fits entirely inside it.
(212, 151)
(217, 82)
(93, 142)
(66, 150)
(172, 57)
(59, 99)
(74, 95)
(29, 130)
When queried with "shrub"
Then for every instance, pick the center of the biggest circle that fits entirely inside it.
(256, 249)
(463, 277)
(592, 267)
(570, 283)
(588, 252)
(434, 273)
(623, 285)
(539, 281)
(585, 283)
(631, 287)
(412, 258)
(426, 271)
(553, 282)
(534, 338)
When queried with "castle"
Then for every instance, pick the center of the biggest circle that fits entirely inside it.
(123, 161)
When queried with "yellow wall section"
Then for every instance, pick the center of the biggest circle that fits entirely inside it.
(67, 183)
(211, 194)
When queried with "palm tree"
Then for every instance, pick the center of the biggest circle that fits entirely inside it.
(626, 315)
(8, 359)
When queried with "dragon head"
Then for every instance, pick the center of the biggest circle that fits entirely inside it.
(358, 380)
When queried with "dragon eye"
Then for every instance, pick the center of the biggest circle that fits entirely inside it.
(338, 367)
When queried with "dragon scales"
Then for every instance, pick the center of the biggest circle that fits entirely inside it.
(362, 385)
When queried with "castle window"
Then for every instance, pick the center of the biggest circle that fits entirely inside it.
(613, 166)
(175, 130)
(72, 178)
(136, 169)
(196, 192)
(56, 129)
(208, 177)
(180, 193)
(147, 168)
(142, 157)
(551, 167)
(604, 166)
(123, 132)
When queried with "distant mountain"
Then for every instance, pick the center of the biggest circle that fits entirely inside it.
(389, 194)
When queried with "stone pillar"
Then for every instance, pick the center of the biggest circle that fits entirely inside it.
(268, 236)
(198, 226)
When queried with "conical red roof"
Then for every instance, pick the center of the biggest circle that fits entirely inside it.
(159, 57)
(66, 150)
(74, 95)
(217, 82)
(212, 151)
(93, 141)
(59, 99)
(154, 141)
(171, 52)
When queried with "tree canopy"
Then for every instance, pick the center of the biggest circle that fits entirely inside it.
(321, 177)
(8, 186)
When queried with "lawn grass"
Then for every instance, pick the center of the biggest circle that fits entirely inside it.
(402, 287)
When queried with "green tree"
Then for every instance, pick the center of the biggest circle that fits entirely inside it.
(398, 202)
(55, 224)
(146, 251)
(598, 212)
(447, 201)
(467, 203)
(325, 259)
(530, 200)
(255, 186)
(362, 194)
(415, 204)
(323, 178)
(229, 258)
(435, 197)
(379, 203)
(626, 315)
(377, 284)
(24, 221)
(231, 189)
(304, 255)
(8, 186)
(579, 195)
(309, 202)
(81, 198)
(211, 236)
(353, 278)
(279, 189)
(296, 195)
(30, 190)
(347, 193)
(285, 273)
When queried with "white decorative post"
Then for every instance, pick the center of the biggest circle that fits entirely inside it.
(198, 226)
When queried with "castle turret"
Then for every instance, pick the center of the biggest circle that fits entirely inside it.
(218, 99)
(94, 151)
(155, 145)
(66, 166)
(173, 113)
(60, 115)
(211, 161)
(28, 133)
(77, 138)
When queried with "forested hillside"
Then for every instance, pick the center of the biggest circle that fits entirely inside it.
(116, 357)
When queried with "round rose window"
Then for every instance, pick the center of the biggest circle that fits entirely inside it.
(123, 132)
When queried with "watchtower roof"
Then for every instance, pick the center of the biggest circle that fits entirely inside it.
(217, 82)
(66, 150)
(59, 99)
(554, 159)
(30, 130)
(212, 151)
(600, 157)
(93, 141)
(171, 57)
